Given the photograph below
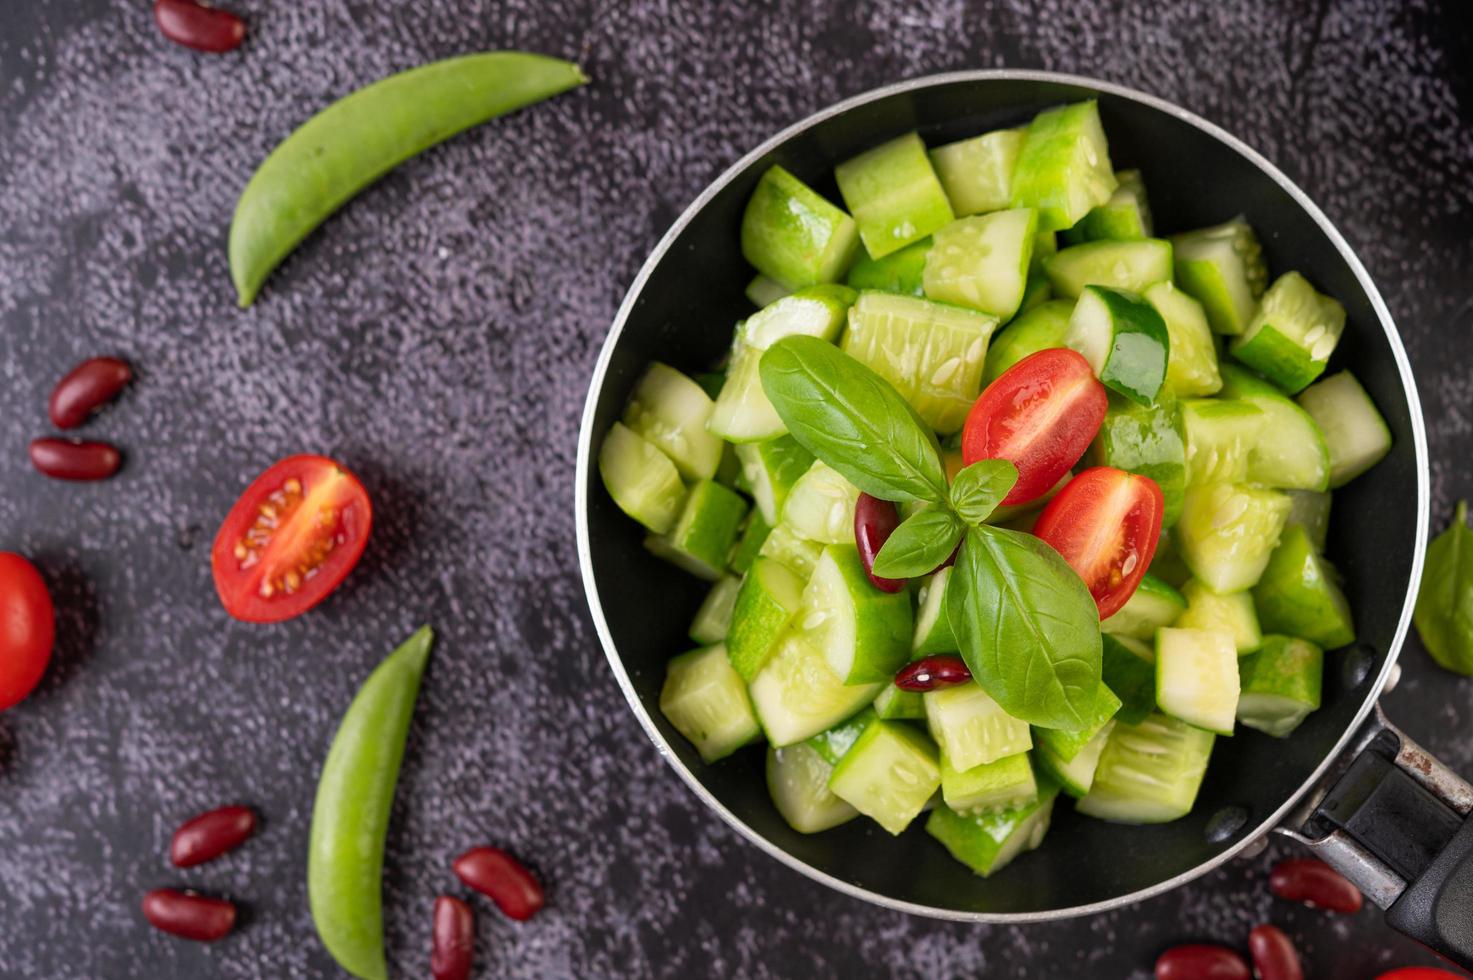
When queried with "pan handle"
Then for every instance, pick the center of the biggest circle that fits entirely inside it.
(1395, 821)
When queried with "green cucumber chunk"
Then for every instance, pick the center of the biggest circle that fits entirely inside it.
(1077, 774)
(971, 728)
(816, 311)
(792, 235)
(933, 633)
(793, 550)
(767, 601)
(977, 173)
(863, 632)
(1289, 452)
(1197, 677)
(1310, 511)
(1063, 169)
(771, 468)
(703, 535)
(1154, 604)
(1281, 684)
(1222, 268)
(1355, 432)
(729, 470)
(1131, 266)
(1123, 338)
(982, 262)
(889, 774)
(749, 546)
(1167, 564)
(1220, 438)
(893, 704)
(1146, 439)
(797, 695)
(764, 291)
(1231, 613)
(831, 744)
(1291, 337)
(1043, 327)
(1128, 669)
(1299, 594)
(640, 479)
(707, 703)
(670, 412)
(1191, 367)
(893, 194)
(989, 842)
(713, 618)
(1226, 533)
(1149, 773)
(820, 506)
(902, 271)
(1124, 217)
(1065, 745)
(798, 782)
(989, 788)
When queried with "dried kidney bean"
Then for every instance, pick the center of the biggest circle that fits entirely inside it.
(189, 915)
(1201, 961)
(454, 940)
(502, 878)
(85, 389)
(874, 521)
(210, 835)
(197, 26)
(1274, 956)
(929, 673)
(73, 459)
(1314, 882)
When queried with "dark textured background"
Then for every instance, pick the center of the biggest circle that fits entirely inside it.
(437, 337)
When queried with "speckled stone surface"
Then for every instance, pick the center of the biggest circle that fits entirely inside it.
(437, 337)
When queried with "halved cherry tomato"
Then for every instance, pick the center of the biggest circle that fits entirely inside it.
(290, 539)
(1040, 415)
(27, 628)
(1105, 522)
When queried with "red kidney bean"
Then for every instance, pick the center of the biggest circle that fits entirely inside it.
(73, 459)
(189, 915)
(1313, 882)
(1274, 956)
(502, 878)
(874, 521)
(210, 835)
(85, 389)
(929, 673)
(197, 26)
(454, 940)
(1201, 961)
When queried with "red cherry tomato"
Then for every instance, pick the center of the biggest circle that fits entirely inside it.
(1040, 415)
(1106, 523)
(27, 628)
(290, 539)
(1421, 973)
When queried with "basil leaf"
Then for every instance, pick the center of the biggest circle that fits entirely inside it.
(853, 419)
(1028, 628)
(1444, 610)
(978, 489)
(920, 544)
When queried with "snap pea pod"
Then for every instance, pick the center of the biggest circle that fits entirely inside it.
(345, 853)
(359, 138)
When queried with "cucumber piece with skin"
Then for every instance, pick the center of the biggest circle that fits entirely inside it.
(1291, 337)
(1355, 432)
(982, 262)
(1076, 775)
(893, 194)
(670, 412)
(766, 603)
(1130, 266)
(1063, 168)
(1197, 677)
(1231, 613)
(1299, 594)
(1128, 669)
(1281, 685)
(749, 546)
(1065, 745)
(902, 271)
(793, 550)
(1036, 291)
(1123, 338)
(1226, 533)
(933, 633)
(971, 728)
(1149, 440)
(703, 535)
(764, 291)
(989, 842)
(1124, 217)
(893, 704)
(1149, 773)
(1191, 367)
(1310, 511)
(1154, 604)
(771, 468)
(989, 788)
(863, 632)
(798, 782)
(820, 506)
(713, 618)
(794, 236)
(707, 703)
(1043, 327)
(797, 695)
(1221, 435)
(832, 743)
(1222, 268)
(977, 173)
(640, 479)
(1289, 452)
(889, 774)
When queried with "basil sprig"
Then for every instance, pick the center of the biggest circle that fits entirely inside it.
(980, 488)
(1444, 610)
(920, 544)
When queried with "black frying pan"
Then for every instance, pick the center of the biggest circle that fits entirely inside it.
(681, 309)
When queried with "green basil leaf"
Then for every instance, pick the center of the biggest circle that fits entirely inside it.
(853, 419)
(978, 489)
(920, 544)
(1444, 611)
(1028, 628)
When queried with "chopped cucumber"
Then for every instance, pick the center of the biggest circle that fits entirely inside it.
(931, 352)
(1221, 435)
(1146, 439)
(793, 235)
(832, 743)
(670, 412)
(729, 470)
(1222, 267)
(1292, 335)
(1289, 451)
(771, 468)
(1124, 217)
(1281, 685)
(977, 173)
(1310, 511)
(1063, 745)
(1299, 594)
(1044, 326)
(893, 194)
(902, 271)
(769, 598)
(1036, 291)
(1197, 677)
(764, 291)
(1076, 775)
(893, 704)
(798, 781)
(641, 479)
(793, 550)
(1227, 532)
(820, 506)
(989, 788)
(817, 311)
(703, 535)
(798, 695)
(749, 546)
(933, 633)
(1149, 773)
(863, 632)
(1167, 565)
(1154, 604)
(707, 703)
(1354, 430)
(1045, 246)
(1123, 338)
(889, 774)
(1131, 266)
(989, 842)
(713, 618)
(1191, 367)
(1128, 668)
(982, 262)
(971, 728)
(1063, 169)
(1231, 613)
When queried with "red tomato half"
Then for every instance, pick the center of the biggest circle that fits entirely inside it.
(1040, 415)
(1105, 522)
(290, 539)
(27, 628)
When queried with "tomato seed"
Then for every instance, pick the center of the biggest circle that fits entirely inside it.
(85, 389)
(1313, 882)
(197, 26)
(454, 940)
(73, 459)
(929, 673)
(1274, 956)
(189, 915)
(1201, 961)
(874, 521)
(502, 878)
(211, 834)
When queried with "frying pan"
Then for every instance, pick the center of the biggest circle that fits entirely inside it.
(1347, 784)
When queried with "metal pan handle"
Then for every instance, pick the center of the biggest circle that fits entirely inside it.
(1395, 821)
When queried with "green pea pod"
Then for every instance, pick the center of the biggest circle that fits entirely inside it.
(361, 137)
(345, 855)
